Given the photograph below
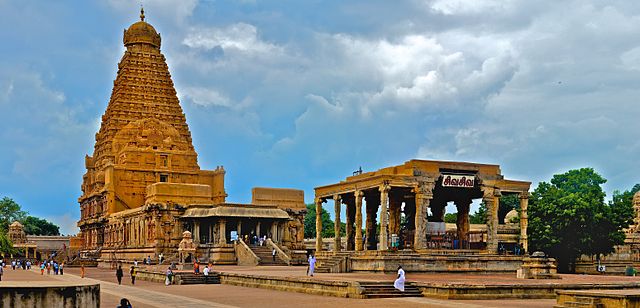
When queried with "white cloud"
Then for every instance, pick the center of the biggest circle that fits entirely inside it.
(239, 37)
(462, 7)
(205, 97)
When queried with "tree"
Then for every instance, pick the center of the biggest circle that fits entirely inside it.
(451, 218)
(6, 247)
(480, 216)
(37, 226)
(569, 218)
(310, 223)
(10, 211)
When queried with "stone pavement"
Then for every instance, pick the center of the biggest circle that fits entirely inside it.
(148, 294)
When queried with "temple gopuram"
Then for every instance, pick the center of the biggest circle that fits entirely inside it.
(143, 188)
(404, 207)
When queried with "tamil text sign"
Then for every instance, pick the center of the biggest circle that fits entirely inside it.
(464, 181)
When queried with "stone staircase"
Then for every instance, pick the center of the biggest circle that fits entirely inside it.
(337, 263)
(191, 278)
(265, 255)
(374, 289)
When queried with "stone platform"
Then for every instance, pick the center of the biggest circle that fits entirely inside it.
(598, 298)
(18, 294)
(435, 285)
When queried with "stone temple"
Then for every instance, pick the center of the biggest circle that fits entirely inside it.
(143, 186)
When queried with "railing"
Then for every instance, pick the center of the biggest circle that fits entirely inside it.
(244, 254)
(280, 253)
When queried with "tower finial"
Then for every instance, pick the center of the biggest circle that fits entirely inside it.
(141, 13)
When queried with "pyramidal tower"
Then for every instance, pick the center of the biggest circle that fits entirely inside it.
(143, 154)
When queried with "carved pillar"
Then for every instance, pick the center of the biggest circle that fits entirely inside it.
(337, 241)
(384, 222)
(222, 226)
(395, 205)
(196, 231)
(524, 220)
(351, 212)
(258, 229)
(462, 223)
(491, 198)
(319, 224)
(423, 195)
(274, 232)
(373, 202)
(240, 229)
(359, 194)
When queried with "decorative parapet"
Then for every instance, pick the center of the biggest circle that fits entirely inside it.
(244, 254)
(279, 252)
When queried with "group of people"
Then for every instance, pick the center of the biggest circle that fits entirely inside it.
(23, 264)
(49, 265)
(133, 272)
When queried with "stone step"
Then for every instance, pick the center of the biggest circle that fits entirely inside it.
(386, 289)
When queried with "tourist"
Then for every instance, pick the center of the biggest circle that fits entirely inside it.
(196, 267)
(82, 271)
(42, 268)
(160, 257)
(312, 265)
(124, 303)
(28, 265)
(13, 265)
(135, 262)
(399, 283)
(167, 281)
(48, 267)
(148, 260)
(119, 274)
(133, 273)
(62, 268)
(55, 268)
(1, 272)
(205, 271)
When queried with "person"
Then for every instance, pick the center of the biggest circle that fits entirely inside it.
(1, 272)
(28, 265)
(273, 254)
(124, 303)
(160, 258)
(13, 265)
(135, 262)
(196, 267)
(62, 268)
(119, 274)
(148, 260)
(399, 283)
(56, 268)
(48, 267)
(133, 275)
(167, 281)
(42, 268)
(312, 265)
(82, 271)
(205, 271)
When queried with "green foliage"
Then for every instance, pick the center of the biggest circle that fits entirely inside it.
(10, 211)
(508, 203)
(480, 216)
(6, 248)
(37, 226)
(310, 223)
(568, 217)
(451, 217)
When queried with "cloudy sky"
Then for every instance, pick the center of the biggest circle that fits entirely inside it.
(300, 93)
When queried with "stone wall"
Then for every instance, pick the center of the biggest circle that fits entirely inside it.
(24, 294)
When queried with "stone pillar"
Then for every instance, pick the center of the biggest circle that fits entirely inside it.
(524, 220)
(337, 241)
(239, 227)
(384, 222)
(395, 205)
(318, 225)
(423, 195)
(462, 223)
(370, 225)
(491, 198)
(274, 232)
(196, 231)
(258, 229)
(359, 194)
(351, 212)
(222, 226)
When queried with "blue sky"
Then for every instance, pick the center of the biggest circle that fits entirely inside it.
(300, 93)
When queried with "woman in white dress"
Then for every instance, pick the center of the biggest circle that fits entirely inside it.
(399, 283)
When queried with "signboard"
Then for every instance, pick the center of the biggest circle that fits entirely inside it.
(234, 235)
(455, 180)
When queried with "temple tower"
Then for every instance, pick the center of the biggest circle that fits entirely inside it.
(143, 140)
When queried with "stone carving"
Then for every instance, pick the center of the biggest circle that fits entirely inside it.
(186, 248)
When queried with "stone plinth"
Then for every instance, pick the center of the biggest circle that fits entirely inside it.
(538, 266)
(598, 298)
(30, 294)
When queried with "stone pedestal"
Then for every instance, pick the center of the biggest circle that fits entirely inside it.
(538, 266)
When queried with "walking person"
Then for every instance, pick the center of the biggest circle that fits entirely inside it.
(133, 273)
(119, 274)
(42, 268)
(62, 268)
(312, 265)
(82, 271)
(1, 271)
(167, 281)
(273, 254)
(399, 282)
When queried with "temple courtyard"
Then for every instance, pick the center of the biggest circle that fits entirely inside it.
(155, 294)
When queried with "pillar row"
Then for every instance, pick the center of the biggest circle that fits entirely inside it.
(318, 225)
(337, 241)
(359, 194)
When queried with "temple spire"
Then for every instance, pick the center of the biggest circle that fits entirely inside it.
(141, 13)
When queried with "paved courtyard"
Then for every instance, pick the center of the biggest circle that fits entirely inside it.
(150, 294)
